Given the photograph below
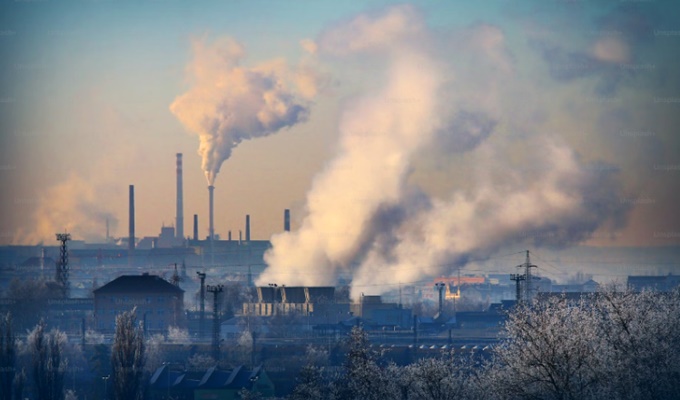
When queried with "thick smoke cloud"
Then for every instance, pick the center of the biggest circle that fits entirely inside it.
(379, 135)
(229, 103)
(367, 219)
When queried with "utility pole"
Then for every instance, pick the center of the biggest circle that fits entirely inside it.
(216, 290)
(61, 275)
(201, 326)
(175, 277)
(528, 278)
(526, 294)
(518, 278)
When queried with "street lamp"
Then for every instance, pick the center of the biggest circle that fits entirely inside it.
(215, 290)
(106, 386)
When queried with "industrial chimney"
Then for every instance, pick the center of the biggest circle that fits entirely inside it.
(211, 227)
(247, 228)
(179, 221)
(195, 226)
(131, 239)
(286, 220)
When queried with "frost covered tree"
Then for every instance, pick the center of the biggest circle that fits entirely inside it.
(620, 345)
(310, 385)
(153, 352)
(178, 335)
(49, 365)
(642, 336)
(447, 377)
(127, 357)
(8, 356)
(364, 379)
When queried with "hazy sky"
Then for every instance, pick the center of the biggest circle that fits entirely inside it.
(87, 86)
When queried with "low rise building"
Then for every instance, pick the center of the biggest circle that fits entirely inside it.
(159, 303)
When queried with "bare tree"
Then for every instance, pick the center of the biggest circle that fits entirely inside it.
(619, 345)
(127, 357)
(8, 356)
(48, 363)
(364, 378)
(642, 333)
(19, 382)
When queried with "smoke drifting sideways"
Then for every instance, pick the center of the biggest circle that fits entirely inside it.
(364, 218)
(229, 103)
(74, 205)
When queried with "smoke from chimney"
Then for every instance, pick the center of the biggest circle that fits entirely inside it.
(131, 238)
(211, 227)
(230, 103)
(195, 226)
(247, 228)
(179, 220)
(286, 220)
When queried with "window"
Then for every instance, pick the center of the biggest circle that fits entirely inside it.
(161, 299)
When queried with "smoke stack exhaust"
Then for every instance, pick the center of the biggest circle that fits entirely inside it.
(247, 228)
(211, 227)
(195, 226)
(286, 220)
(131, 239)
(179, 219)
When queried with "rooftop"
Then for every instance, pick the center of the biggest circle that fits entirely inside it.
(138, 283)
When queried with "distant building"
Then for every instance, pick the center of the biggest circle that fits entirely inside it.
(287, 300)
(159, 303)
(662, 283)
(588, 286)
(375, 313)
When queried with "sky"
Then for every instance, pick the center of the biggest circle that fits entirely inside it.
(462, 127)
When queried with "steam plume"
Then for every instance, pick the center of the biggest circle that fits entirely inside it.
(229, 103)
(379, 135)
(366, 218)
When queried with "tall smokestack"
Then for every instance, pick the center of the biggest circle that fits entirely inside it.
(247, 228)
(179, 220)
(286, 220)
(131, 240)
(195, 226)
(211, 227)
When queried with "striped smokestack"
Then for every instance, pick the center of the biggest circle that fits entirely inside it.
(195, 226)
(179, 219)
(247, 228)
(131, 239)
(286, 220)
(211, 227)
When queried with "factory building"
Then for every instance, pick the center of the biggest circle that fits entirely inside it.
(285, 300)
(376, 313)
(159, 303)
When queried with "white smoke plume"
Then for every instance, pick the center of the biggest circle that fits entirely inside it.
(229, 103)
(558, 203)
(379, 135)
(366, 218)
